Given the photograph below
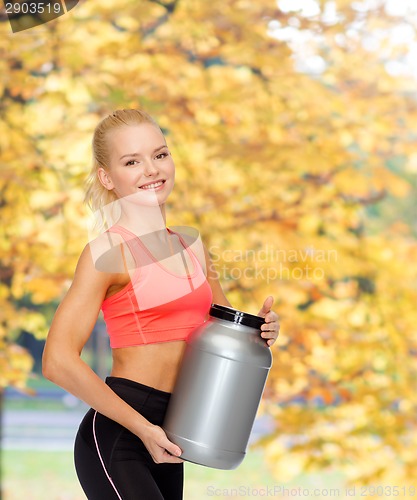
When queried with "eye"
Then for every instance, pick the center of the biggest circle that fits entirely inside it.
(130, 163)
(161, 155)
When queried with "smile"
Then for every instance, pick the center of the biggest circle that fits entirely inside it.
(153, 185)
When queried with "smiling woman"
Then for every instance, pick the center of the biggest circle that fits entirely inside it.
(150, 283)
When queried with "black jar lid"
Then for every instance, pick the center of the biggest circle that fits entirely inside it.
(235, 316)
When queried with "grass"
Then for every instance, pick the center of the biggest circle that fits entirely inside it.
(42, 475)
(39, 475)
(57, 400)
(33, 404)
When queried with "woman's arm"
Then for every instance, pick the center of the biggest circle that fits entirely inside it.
(71, 327)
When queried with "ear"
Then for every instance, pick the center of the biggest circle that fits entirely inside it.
(105, 178)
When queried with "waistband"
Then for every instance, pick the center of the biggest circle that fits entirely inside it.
(150, 402)
(125, 382)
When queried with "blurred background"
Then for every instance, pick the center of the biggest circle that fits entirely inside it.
(292, 124)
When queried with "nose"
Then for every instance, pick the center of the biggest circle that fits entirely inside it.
(150, 169)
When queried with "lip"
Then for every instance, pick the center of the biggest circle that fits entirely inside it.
(153, 182)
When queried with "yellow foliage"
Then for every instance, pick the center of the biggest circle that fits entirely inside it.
(329, 309)
(285, 466)
(384, 179)
(15, 366)
(43, 290)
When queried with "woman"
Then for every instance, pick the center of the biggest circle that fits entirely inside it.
(153, 292)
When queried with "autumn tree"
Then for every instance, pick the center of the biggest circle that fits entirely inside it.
(290, 134)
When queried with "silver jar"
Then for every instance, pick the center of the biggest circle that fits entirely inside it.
(219, 387)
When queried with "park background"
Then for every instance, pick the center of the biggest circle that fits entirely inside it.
(293, 129)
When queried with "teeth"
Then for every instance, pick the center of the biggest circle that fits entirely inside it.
(153, 185)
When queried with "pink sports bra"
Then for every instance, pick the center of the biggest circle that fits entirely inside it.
(156, 305)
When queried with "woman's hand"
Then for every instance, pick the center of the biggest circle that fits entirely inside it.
(161, 449)
(270, 329)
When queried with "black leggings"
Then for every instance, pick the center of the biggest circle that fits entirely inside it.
(113, 464)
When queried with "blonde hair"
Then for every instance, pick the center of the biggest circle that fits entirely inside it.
(97, 196)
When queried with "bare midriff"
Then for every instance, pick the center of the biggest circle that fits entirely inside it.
(154, 365)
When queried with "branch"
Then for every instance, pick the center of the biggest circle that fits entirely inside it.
(247, 220)
(170, 7)
(324, 177)
(365, 200)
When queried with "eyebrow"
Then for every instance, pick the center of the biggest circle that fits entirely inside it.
(138, 154)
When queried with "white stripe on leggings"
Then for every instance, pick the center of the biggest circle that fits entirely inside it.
(101, 460)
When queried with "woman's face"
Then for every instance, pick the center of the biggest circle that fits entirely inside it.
(141, 168)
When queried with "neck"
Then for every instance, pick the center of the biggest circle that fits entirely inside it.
(144, 219)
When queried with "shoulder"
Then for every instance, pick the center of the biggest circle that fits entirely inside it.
(106, 253)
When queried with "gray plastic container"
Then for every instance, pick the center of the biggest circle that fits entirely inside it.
(218, 390)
